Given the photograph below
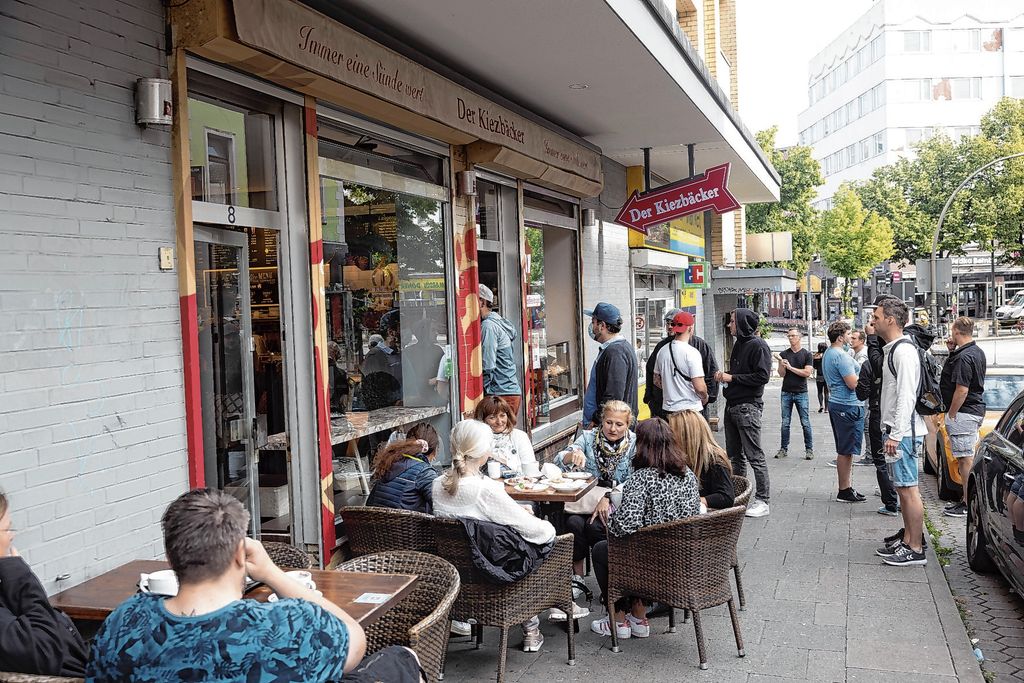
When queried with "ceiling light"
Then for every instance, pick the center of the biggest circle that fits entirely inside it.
(578, 86)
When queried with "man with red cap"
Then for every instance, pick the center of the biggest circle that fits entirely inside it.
(679, 370)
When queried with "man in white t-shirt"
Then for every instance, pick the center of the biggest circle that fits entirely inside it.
(679, 370)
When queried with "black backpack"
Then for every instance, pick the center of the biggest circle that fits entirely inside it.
(929, 397)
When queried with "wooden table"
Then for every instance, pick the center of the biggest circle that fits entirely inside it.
(95, 599)
(551, 495)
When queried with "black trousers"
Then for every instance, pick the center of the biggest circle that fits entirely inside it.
(585, 534)
(885, 485)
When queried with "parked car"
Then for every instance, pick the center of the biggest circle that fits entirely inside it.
(1002, 384)
(1011, 311)
(995, 499)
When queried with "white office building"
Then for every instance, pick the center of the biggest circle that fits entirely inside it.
(906, 71)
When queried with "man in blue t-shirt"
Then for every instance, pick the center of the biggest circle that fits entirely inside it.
(207, 632)
(845, 410)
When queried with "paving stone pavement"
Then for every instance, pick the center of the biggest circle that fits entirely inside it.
(994, 612)
(820, 605)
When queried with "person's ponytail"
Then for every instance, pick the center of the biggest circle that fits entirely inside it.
(470, 443)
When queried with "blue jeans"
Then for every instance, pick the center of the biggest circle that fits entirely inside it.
(790, 399)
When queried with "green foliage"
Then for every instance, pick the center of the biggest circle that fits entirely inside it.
(801, 175)
(764, 328)
(853, 240)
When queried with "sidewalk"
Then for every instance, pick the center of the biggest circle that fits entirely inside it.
(820, 605)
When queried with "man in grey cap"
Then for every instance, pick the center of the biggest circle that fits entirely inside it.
(613, 376)
(496, 336)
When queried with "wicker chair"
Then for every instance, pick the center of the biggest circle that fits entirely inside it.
(13, 677)
(510, 604)
(420, 621)
(681, 564)
(377, 530)
(744, 488)
(287, 556)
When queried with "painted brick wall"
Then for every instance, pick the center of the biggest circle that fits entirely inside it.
(92, 415)
(604, 249)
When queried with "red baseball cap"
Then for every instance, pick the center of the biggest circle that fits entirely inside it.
(682, 319)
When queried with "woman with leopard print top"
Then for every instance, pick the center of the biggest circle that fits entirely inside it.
(662, 488)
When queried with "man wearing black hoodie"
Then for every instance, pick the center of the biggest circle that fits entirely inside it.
(750, 367)
(869, 388)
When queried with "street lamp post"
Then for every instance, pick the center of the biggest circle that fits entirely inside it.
(938, 229)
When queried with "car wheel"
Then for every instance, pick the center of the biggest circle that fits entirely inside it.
(929, 468)
(977, 545)
(948, 489)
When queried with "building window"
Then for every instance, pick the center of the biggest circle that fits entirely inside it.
(877, 49)
(965, 88)
(878, 143)
(916, 89)
(916, 135)
(917, 41)
(1017, 82)
(967, 41)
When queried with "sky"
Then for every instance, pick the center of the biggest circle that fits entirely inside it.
(776, 41)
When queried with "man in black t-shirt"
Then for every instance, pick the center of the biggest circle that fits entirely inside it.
(962, 385)
(795, 366)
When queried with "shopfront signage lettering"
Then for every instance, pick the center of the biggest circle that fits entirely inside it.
(297, 34)
(682, 198)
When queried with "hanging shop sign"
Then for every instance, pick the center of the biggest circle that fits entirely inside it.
(708, 192)
(695, 275)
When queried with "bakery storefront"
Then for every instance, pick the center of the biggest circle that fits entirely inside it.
(328, 255)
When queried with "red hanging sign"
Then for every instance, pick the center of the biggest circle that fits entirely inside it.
(681, 198)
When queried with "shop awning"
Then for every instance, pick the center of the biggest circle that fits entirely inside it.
(645, 87)
(752, 281)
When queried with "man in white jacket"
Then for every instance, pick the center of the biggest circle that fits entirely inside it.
(903, 428)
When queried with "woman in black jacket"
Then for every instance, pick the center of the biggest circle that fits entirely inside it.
(707, 459)
(403, 475)
(34, 637)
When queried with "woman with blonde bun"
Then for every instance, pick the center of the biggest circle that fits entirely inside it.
(463, 491)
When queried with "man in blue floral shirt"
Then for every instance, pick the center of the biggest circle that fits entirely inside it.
(207, 632)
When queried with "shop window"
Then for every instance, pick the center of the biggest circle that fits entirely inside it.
(554, 323)
(232, 154)
(487, 211)
(370, 152)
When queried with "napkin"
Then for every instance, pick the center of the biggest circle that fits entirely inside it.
(552, 471)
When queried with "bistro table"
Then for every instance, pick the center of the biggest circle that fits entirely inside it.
(551, 502)
(95, 599)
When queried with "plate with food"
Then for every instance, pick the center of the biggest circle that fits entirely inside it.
(576, 475)
(531, 487)
(564, 486)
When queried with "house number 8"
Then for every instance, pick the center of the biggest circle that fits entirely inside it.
(231, 214)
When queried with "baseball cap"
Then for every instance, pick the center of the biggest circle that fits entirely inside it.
(375, 339)
(605, 312)
(485, 293)
(671, 313)
(682, 319)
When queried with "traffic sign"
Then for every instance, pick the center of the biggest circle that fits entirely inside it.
(897, 276)
(681, 198)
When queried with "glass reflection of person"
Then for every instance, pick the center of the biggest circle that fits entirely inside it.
(422, 358)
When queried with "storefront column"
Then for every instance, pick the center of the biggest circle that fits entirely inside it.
(467, 301)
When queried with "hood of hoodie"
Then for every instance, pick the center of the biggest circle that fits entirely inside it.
(922, 336)
(746, 323)
(495, 319)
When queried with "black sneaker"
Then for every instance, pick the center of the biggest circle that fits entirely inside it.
(890, 543)
(850, 496)
(905, 556)
(958, 510)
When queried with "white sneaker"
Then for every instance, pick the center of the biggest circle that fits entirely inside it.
(638, 628)
(577, 593)
(577, 613)
(758, 508)
(461, 628)
(601, 628)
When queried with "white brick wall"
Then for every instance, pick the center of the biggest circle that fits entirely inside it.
(92, 416)
(604, 250)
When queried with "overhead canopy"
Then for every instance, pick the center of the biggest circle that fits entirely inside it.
(644, 86)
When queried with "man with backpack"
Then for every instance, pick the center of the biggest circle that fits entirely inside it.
(679, 371)
(903, 429)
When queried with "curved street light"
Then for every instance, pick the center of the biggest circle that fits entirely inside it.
(938, 229)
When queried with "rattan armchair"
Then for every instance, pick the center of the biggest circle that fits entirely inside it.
(287, 556)
(420, 621)
(744, 489)
(683, 564)
(14, 677)
(377, 529)
(510, 604)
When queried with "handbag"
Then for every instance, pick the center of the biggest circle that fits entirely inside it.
(588, 503)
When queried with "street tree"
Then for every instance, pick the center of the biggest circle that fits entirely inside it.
(801, 175)
(853, 240)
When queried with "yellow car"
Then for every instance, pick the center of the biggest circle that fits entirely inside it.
(1002, 384)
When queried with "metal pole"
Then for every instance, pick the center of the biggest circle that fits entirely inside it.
(810, 312)
(938, 229)
(689, 157)
(992, 290)
(647, 169)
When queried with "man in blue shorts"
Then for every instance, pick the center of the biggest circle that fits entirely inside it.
(903, 428)
(207, 631)
(845, 410)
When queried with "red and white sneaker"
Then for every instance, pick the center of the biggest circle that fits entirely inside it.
(601, 628)
(638, 628)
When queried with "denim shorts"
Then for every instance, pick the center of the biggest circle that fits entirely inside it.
(904, 470)
(847, 427)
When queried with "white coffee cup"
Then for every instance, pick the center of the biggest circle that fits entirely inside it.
(162, 582)
(303, 577)
(531, 469)
(494, 469)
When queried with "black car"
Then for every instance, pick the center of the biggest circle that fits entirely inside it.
(995, 499)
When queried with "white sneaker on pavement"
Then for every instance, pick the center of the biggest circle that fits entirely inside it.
(461, 628)
(601, 628)
(758, 508)
(559, 615)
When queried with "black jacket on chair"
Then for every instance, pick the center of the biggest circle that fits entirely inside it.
(500, 552)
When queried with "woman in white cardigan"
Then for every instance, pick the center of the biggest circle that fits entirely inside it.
(511, 447)
(464, 492)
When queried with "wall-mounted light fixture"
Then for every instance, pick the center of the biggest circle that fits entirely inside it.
(466, 183)
(153, 102)
(589, 218)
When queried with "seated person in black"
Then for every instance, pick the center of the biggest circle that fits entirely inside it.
(707, 459)
(402, 474)
(34, 637)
